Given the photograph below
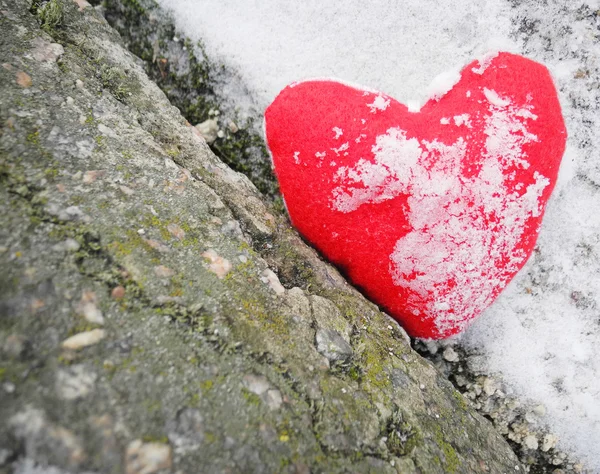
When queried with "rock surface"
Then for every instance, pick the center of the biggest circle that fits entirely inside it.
(207, 336)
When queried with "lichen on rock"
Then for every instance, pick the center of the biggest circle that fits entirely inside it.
(113, 211)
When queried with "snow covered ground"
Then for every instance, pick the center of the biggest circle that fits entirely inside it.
(543, 333)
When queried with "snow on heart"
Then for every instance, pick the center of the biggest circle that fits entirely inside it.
(432, 212)
(451, 241)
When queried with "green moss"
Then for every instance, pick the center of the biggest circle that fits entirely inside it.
(372, 360)
(82, 326)
(115, 81)
(451, 459)
(50, 14)
(402, 437)
(250, 397)
(462, 402)
(206, 386)
(155, 439)
(33, 137)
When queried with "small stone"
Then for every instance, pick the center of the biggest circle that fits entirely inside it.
(257, 384)
(232, 126)
(548, 442)
(69, 245)
(92, 175)
(176, 231)
(126, 190)
(163, 272)
(75, 382)
(156, 245)
(450, 355)
(186, 431)
(117, 293)
(82, 4)
(46, 51)
(84, 339)
(79, 84)
(242, 258)
(9, 387)
(530, 442)
(218, 265)
(332, 345)
(539, 410)
(220, 134)
(208, 129)
(147, 458)
(24, 79)
(269, 277)
(274, 399)
(70, 100)
(71, 213)
(489, 386)
(88, 308)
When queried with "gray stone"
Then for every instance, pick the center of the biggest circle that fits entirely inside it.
(332, 345)
(75, 382)
(208, 368)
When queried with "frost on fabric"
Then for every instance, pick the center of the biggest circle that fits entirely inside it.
(465, 230)
(380, 103)
(443, 83)
(484, 62)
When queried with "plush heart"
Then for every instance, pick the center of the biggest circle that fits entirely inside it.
(431, 213)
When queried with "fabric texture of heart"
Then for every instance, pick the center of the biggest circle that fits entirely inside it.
(430, 213)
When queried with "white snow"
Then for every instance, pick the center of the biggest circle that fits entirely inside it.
(543, 332)
(379, 103)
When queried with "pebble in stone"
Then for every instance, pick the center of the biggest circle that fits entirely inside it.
(84, 339)
(259, 385)
(46, 51)
(218, 265)
(88, 308)
(117, 293)
(69, 245)
(332, 345)
(186, 431)
(147, 458)
(270, 278)
(209, 130)
(274, 399)
(46, 442)
(74, 382)
(163, 272)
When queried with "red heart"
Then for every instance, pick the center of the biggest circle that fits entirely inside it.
(430, 213)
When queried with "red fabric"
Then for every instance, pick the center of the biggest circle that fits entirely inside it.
(306, 128)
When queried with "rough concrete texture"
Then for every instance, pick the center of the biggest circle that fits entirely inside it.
(156, 317)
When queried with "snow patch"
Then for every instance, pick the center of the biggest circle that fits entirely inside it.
(443, 83)
(380, 103)
(484, 62)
